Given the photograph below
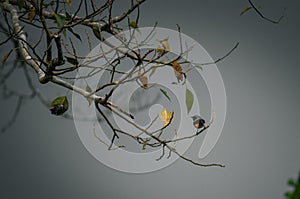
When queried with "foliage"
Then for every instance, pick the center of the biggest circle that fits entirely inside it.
(295, 184)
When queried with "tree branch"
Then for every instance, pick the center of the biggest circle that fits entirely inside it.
(262, 15)
(23, 46)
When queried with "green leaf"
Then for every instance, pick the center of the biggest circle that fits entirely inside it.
(5, 57)
(291, 182)
(245, 10)
(68, 17)
(20, 4)
(59, 105)
(165, 94)
(61, 21)
(189, 99)
(288, 195)
(74, 33)
(144, 145)
(133, 24)
(88, 88)
(72, 60)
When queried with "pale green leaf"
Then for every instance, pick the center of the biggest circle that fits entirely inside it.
(189, 100)
(144, 145)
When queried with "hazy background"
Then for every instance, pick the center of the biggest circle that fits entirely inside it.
(41, 156)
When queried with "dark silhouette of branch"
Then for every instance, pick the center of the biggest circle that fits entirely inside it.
(221, 58)
(263, 16)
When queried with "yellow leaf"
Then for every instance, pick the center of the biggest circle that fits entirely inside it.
(69, 2)
(178, 71)
(166, 116)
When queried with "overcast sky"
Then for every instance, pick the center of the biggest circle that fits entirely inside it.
(41, 156)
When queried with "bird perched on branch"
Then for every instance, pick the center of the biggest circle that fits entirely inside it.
(198, 122)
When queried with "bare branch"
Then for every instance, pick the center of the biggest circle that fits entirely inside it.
(263, 16)
(221, 58)
(115, 135)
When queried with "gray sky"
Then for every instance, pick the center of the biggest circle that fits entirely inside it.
(42, 156)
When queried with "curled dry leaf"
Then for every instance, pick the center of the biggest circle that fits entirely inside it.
(164, 46)
(31, 14)
(143, 79)
(178, 71)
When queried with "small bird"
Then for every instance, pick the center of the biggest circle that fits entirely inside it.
(198, 122)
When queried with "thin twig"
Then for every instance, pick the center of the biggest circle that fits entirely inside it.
(115, 135)
(220, 59)
(263, 16)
